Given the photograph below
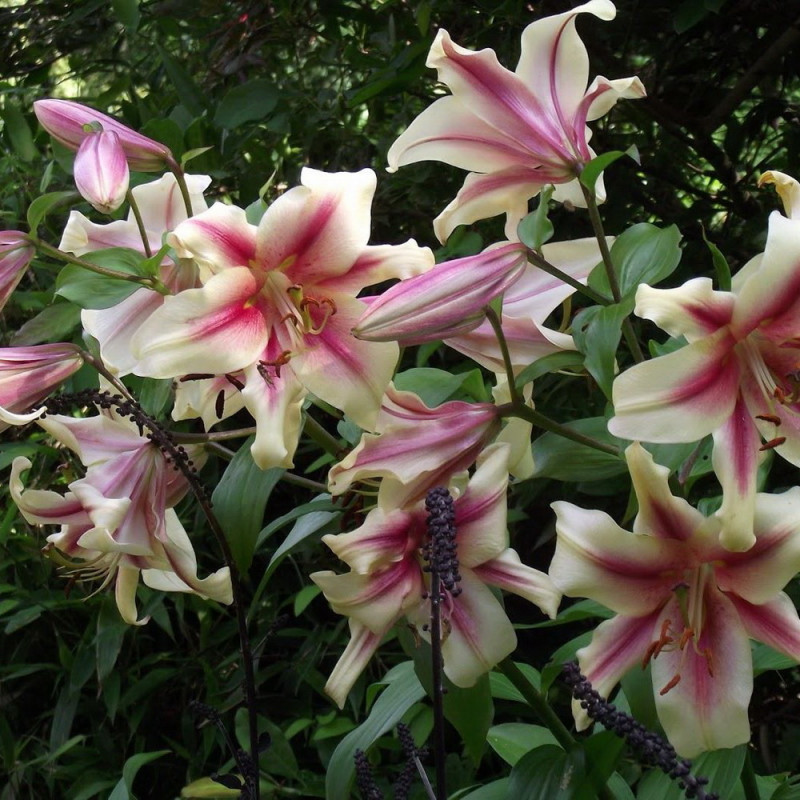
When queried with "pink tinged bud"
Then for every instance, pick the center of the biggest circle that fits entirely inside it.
(29, 374)
(101, 171)
(445, 301)
(16, 253)
(71, 123)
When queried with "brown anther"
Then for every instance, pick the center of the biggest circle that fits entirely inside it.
(219, 404)
(706, 653)
(776, 442)
(648, 654)
(773, 418)
(195, 376)
(664, 638)
(671, 684)
(685, 636)
(235, 382)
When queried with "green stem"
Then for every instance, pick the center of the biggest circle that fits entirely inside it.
(543, 264)
(327, 442)
(216, 436)
(101, 368)
(497, 327)
(545, 423)
(180, 177)
(139, 223)
(748, 778)
(149, 283)
(536, 700)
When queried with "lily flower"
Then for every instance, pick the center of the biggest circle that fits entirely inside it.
(29, 374)
(685, 604)
(161, 208)
(387, 580)
(417, 448)
(514, 131)
(101, 171)
(118, 520)
(278, 302)
(71, 123)
(16, 254)
(445, 301)
(737, 379)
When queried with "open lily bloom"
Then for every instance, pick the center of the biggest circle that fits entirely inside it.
(514, 131)
(118, 520)
(527, 304)
(387, 580)
(684, 603)
(278, 302)
(29, 374)
(736, 379)
(162, 209)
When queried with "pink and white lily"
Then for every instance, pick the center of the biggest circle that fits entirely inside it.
(118, 520)
(71, 123)
(101, 171)
(685, 603)
(277, 302)
(736, 379)
(29, 374)
(162, 209)
(387, 580)
(16, 254)
(514, 131)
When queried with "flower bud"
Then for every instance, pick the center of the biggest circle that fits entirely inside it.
(101, 171)
(445, 301)
(16, 252)
(71, 123)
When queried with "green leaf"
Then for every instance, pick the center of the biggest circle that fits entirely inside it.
(155, 394)
(403, 690)
(278, 758)
(643, 253)
(470, 711)
(53, 323)
(591, 172)
(503, 689)
(496, 790)
(548, 773)
(18, 131)
(253, 100)
(239, 502)
(127, 12)
(569, 359)
(166, 131)
(43, 205)
(190, 95)
(720, 263)
(512, 740)
(766, 659)
(108, 639)
(304, 597)
(435, 386)
(90, 290)
(597, 331)
(565, 460)
(536, 229)
(308, 525)
(123, 790)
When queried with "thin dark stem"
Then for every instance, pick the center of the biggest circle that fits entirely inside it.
(327, 442)
(437, 665)
(180, 178)
(545, 423)
(497, 327)
(214, 436)
(139, 223)
(543, 264)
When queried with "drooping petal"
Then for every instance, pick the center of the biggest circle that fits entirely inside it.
(618, 645)
(125, 588)
(694, 310)
(347, 373)
(275, 399)
(363, 643)
(678, 397)
(629, 573)
(317, 231)
(660, 514)
(735, 459)
(759, 573)
(602, 96)
(788, 189)
(506, 571)
(214, 329)
(94, 439)
(707, 708)
(774, 623)
(41, 506)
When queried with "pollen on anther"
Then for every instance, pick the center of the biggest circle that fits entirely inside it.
(671, 684)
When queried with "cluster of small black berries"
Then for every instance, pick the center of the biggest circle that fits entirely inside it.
(402, 786)
(174, 454)
(653, 750)
(440, 551)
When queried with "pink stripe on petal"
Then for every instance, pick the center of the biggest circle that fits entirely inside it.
(774, 623)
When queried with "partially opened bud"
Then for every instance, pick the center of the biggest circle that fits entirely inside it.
(29, 374)
(445, 301)
(71, 123)
(16, 252)
(101, 171)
